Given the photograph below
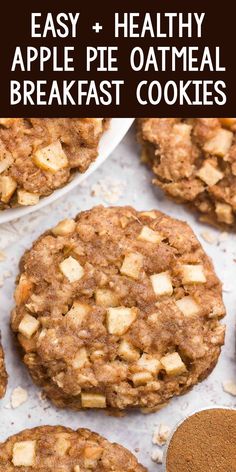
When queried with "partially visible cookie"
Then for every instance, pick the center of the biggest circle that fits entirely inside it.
(194, 161)
(55, 449)
(3, 373)
(118, 309)
(40, 155)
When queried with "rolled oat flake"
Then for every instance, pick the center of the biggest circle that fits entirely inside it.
(206, 441)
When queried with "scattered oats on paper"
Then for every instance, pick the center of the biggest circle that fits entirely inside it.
(161, 434)
(109, 190)
(230, 387)
(157, 456)
(18, 397)
(209, 237)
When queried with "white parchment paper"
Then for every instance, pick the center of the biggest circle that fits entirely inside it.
(120, 180)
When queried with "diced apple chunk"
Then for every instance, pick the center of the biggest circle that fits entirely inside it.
(120, 319)
(187, 306)
(7, 188)
(220, 144)
(93, 400)
(147, 234)
(142, 378)
(132, 265)
(92, 454)
(27, 198)
(72, 269)
(128, 352)
(193, 274)
(209, 174)
(28, 326)
(183, 131)
(150, 214)
(162, 284)
(64, 228)
(24, 453)
(77, 313)
(62, 444)
(150, 363)
(23, 289)
(173, 364)
(6, 162)
(80, 359)
(224, 213)
(51, 158)
(105, 297)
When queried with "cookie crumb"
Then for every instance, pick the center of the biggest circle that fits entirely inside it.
(208, 237)
(161, 435)
(109, 190)
(226, 288)
(223, 236)
(230, 387)
(157, 456)
(18, 397)
(2, 256)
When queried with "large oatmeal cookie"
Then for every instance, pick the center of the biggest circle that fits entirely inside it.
(39, 155)
(55, 449)
(117, 309)
(194, 161)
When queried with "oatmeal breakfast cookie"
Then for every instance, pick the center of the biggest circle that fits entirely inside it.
(118, 309)
(39, 155)
(194, 161)
(3, 374)
(56, 448)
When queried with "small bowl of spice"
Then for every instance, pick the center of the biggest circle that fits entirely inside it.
(203, 442)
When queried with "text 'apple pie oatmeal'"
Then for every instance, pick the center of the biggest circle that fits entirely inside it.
(194, 161)
(55, 448)
(3, 373)
(40, 155)
(118, 309)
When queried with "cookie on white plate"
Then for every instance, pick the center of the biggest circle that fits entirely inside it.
(40, 155)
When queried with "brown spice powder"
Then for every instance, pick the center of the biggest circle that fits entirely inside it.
(205, 442)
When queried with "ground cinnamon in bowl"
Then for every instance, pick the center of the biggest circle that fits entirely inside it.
(205, 442)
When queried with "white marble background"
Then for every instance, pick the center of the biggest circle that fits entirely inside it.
(120, 180)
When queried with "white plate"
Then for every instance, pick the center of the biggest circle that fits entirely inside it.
(111, 138)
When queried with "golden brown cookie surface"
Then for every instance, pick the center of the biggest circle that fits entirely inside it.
(56, 448)
(3, 373)
(194, 161)
(118, 309)
(40, 155)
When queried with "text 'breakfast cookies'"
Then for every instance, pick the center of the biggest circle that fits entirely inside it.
(3, 373)
(194, 161)
(55, 448)
(40, 155)
(118, 309)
